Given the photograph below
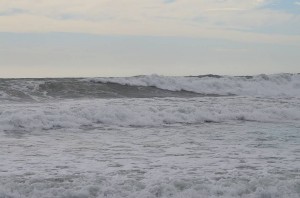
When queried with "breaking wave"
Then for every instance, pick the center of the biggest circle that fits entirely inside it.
(145, 112)
(277, 85)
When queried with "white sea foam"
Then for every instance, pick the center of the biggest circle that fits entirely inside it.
(145, 112)
(278, 85)
(231, 160)
(153, 147)
(74, 187)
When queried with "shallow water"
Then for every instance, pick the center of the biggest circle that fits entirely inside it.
(232, 159)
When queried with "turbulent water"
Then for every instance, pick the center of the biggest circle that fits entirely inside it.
(151, 136)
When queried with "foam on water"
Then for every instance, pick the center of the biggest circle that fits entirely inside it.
(145, 112)
(279, 85)
(150, 136)
(240, 160)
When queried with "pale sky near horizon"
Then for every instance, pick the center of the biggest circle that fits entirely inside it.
(73, 38)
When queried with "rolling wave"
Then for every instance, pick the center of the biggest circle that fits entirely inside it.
(74, 88)
(76, 114)
(279, 85)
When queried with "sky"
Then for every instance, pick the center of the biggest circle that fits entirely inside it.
(79, 38)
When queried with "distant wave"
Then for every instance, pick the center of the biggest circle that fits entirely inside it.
(74, 88)
(144, 112)
(277, 85)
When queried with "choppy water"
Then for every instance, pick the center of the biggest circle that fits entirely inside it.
(90, 138)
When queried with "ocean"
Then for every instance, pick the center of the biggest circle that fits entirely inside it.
(150, 136)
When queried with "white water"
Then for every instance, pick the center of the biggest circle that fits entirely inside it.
(249, 148)
(243, 146)
(145, 112)
(277, 85)
(235, 159)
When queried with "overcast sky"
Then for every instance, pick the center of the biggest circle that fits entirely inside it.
(57, 38)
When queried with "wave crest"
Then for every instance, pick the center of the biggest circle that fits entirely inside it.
(277, 85)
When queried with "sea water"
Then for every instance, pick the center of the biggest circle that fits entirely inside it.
(95, 138)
